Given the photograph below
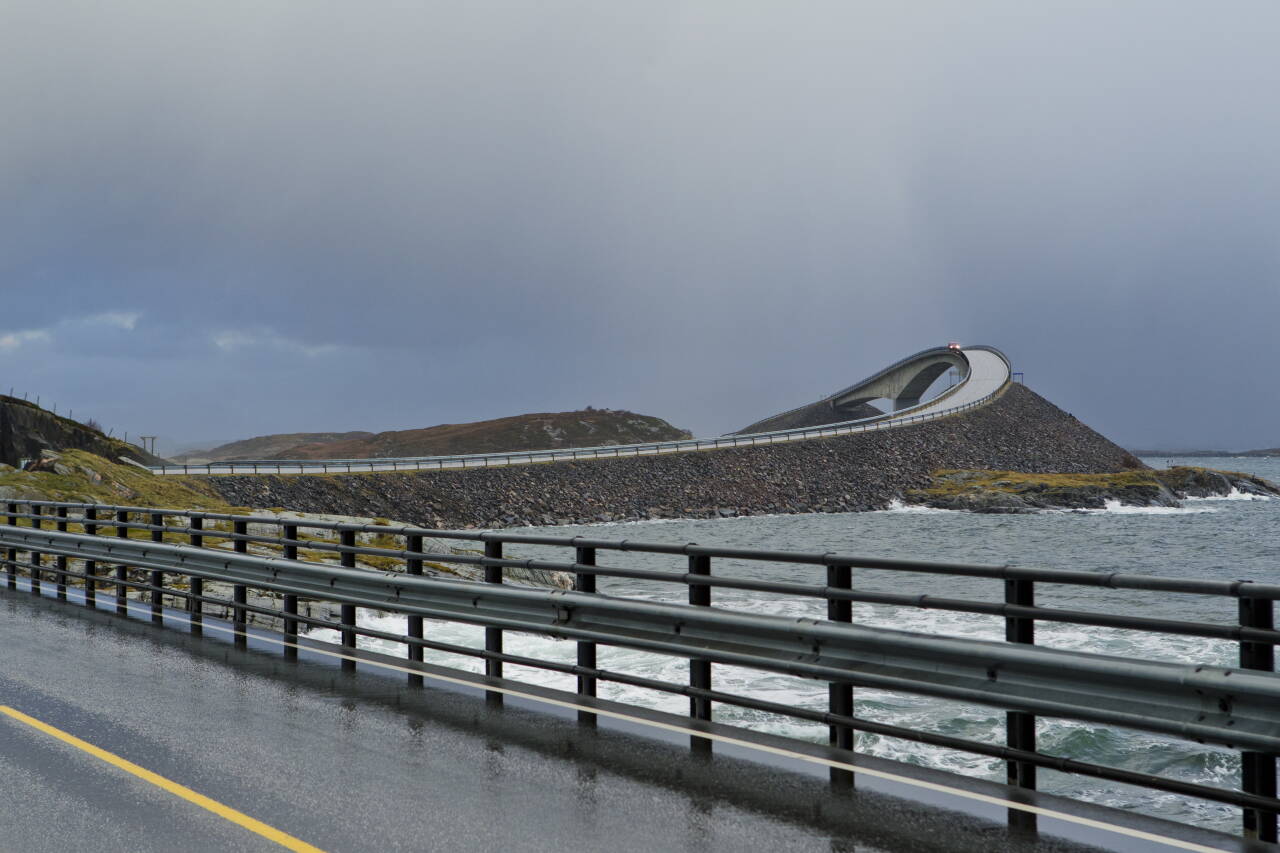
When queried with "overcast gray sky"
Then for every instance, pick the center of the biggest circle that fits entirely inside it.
(236, 218)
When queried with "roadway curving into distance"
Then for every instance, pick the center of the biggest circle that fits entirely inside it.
(983, 371)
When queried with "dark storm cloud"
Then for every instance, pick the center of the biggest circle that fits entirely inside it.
(338, 216)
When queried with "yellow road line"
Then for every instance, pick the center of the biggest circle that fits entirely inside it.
(236, 817)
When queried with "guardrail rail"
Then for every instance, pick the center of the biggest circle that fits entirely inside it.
(104, 555)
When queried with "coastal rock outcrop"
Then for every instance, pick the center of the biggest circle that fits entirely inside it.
(26, 430)
(1016, 492)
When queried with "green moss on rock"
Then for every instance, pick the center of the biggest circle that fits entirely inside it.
(83, 477)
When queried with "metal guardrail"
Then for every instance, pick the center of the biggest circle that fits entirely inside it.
(903, 417)
(148, 549)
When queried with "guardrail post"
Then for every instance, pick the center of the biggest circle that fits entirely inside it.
(493, 636)
(90, 566)
(122, 571)
(36, 557)
(291, 601)
(1020, 726)
(839, 694)
(586, 582)
(699, 670)
(11, 554)
(195, 607)
(157, 577)
(62, 560)
(1258, 769)
(413, 566)
(239, 592)
(347, 538)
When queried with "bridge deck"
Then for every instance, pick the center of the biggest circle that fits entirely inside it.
(359, 761)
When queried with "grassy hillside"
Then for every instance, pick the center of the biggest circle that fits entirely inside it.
(81, 477)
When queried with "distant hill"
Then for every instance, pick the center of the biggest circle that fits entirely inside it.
(1182, 453)
(542, 431)
(266, 446)
(1274, 451)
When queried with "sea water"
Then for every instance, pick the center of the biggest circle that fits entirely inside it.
(1228, 538)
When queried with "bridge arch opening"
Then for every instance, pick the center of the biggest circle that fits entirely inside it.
(868, 407)
(927, 384)
(906, 385)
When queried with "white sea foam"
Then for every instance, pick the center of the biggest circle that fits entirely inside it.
(1233, 495)
(1118, 508)
(648, 521)
(896, 505)
(1111, 506)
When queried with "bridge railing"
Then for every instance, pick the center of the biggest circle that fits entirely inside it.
(903, 417)
(182, 565)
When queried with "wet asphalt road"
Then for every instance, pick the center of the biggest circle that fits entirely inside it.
(361, 761)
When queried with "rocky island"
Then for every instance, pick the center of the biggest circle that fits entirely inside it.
(1014, 492)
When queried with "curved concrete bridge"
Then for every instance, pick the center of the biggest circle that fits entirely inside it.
(903, 383)
(980, 370)
(984, 371)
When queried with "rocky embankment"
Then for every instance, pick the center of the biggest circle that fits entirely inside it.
(1016, 492)
(1020, 431)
